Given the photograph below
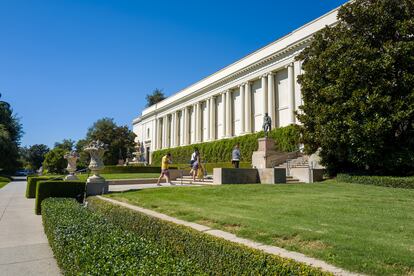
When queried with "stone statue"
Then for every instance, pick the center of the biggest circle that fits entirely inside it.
(96, 150)
(72, 158)
(95, 184)
(267, 124)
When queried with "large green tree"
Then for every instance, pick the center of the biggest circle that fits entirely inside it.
(118, 138)
(10, 134)
(54, 161)
(358, 89)
(32, 157)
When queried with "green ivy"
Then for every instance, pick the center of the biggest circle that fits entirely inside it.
(287, 139)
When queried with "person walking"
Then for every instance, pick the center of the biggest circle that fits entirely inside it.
(195, 166)
(235, 156)
(165, 164)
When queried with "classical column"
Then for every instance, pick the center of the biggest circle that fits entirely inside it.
(264, 94)
(167, 132)
(248, 108)
(228, 114)
(159, 134)
(270, 98)
(212, 118)
(208, 120)
(154, 135)
(242, 100)
(177, 128)
(185, 126)
(199, 123)
(291, 89)
(172, 130)
(163, 135)
(223, 100)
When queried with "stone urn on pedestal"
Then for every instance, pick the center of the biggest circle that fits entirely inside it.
(95, 184)
(72, 158)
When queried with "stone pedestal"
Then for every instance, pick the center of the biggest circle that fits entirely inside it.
(96, 185)
(265, 156)
(71, 177)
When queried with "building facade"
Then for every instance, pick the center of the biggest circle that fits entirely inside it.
(232, 101)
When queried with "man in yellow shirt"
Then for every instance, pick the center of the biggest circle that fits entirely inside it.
(165, 164)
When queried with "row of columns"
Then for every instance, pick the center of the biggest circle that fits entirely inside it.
(168, 129)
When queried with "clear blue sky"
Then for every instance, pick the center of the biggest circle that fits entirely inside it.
(66, 63)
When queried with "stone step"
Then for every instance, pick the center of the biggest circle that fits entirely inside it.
(191, 182)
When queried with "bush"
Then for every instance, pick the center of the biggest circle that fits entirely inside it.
(210, 166)
(386, 181)
(32, 182)
(286, 138)
(5, 179)
(130, 169)
(84, 243)
(216, 256)
(71, 189)
(54, 161)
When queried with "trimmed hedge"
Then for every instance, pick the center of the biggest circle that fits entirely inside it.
(59, 188)
(286, 138)
(32, 182)
(216, 256)
(131, 169)
(211, 166)
(5, 179)
(85, 243)
(386, 181)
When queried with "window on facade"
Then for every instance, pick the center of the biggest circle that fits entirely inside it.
(148, 133)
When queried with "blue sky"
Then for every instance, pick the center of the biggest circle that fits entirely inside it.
(66, 63)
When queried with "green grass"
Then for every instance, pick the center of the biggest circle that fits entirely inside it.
(361, 228)
(4, 181)
(123, 175)
(110, 176)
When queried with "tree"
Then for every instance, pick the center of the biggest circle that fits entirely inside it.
(54, 161)
(156, 96)
(10, 134)
(358, 89)
(66, 144)
(34, 156)
(118, 139)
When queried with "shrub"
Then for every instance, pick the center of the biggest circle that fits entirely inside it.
(130, 169)
(216, 256)
(386, 181)
(58, 188)
(84, 243)
(54, 161)
(286, 138)
(32, 182)
(5, 179)
(210, 166)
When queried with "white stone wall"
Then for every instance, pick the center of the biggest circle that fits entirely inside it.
(237, 114)
(257, 106)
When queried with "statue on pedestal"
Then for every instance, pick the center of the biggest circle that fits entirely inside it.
(72, 158)
(267, 124)
(95, 183)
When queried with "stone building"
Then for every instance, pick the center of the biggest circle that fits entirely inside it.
(233, 100)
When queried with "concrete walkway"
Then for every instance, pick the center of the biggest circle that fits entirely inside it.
(24, 249)
(299, 257)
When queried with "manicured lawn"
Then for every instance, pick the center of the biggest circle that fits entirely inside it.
(361, 228)
(2, 184)
(122, 175)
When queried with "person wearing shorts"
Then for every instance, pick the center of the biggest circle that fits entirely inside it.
(165, 164)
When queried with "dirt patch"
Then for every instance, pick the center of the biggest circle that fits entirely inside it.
(206, 222)
(296, 242)
(232, 227)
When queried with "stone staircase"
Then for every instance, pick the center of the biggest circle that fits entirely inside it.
(299, 162)
(186, 179)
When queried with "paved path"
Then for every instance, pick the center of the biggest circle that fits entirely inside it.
(24, 249)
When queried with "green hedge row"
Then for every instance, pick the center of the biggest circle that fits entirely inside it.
(286, 138)
(130, 169)
(386, 181)
(58, 188)
(216, 256)
(5, 179)
(32, 182)
(84, 243)
(211, 166)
